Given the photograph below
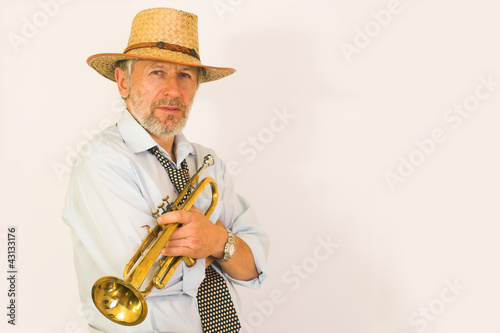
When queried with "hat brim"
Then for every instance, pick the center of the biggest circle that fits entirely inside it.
(105, 63)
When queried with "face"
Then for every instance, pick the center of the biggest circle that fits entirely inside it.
(159, 95)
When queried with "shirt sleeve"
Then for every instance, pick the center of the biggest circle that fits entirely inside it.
(105, 211)
(239, 217)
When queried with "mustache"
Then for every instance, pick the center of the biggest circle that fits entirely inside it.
(169, 102)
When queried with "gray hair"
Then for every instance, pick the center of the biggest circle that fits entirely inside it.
(126, 65)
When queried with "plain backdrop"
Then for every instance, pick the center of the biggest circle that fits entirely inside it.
(364, 132)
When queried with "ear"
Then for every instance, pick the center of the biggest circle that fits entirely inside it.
(121, 80)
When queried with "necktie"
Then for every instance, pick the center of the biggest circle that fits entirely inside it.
(178, 177)
(215, 306)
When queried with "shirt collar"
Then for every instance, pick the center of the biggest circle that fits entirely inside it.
(183, 148)
(138, 139)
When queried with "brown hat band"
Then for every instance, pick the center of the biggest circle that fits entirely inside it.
(165, 46)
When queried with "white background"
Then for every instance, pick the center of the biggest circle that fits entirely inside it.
(419, 254)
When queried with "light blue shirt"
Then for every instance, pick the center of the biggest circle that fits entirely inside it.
(113, 190)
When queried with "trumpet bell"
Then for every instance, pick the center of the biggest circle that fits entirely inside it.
(119, 301)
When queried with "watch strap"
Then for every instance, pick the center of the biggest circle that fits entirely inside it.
(228, 247)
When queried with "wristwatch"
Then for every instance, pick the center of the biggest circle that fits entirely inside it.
(229, 248)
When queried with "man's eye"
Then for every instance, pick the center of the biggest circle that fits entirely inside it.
(156, 72)
(185, 75)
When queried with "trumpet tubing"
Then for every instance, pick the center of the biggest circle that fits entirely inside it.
(121, 300)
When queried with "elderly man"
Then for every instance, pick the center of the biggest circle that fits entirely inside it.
(134, 164)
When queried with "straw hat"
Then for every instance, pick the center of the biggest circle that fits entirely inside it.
(163, 34)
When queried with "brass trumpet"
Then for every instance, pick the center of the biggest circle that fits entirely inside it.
(121, 300)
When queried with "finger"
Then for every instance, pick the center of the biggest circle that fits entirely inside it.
(177, 216)
(187, 243)
(178, 251)
(173, 243)
(180, 233)
(182, 247)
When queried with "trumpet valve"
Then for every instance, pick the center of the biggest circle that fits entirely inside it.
(162, 208)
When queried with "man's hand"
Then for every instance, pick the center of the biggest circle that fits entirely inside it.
(197, 237)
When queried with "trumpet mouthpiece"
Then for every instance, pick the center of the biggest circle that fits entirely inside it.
(208, 160)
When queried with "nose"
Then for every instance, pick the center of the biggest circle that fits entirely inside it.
(171, 87)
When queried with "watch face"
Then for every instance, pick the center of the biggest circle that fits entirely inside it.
(231, 249)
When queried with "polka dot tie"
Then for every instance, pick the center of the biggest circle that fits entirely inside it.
(178, 177)
(215, 306)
